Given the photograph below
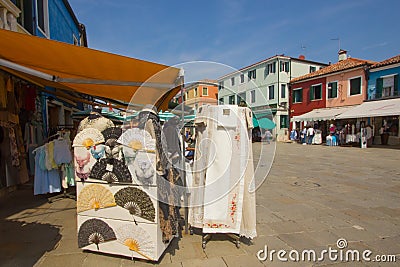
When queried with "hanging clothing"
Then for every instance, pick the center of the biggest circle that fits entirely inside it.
(223, 194)
(46, 181)
(62, 151)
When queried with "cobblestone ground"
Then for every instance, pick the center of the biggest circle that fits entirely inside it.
(313, 196)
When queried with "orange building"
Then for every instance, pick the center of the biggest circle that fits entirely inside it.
(200, 93)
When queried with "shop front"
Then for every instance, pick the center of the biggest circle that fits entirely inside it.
(382, 116)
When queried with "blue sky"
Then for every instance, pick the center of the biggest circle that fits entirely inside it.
(240, 33)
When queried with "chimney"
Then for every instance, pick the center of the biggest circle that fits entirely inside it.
(302, 57)
(342, 54)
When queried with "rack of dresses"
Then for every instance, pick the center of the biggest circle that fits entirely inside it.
(223, 190)
(54, 168)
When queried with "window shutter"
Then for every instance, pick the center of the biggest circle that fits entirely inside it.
(311, 92)
(379, 86)
(334, 90)
(396, 85)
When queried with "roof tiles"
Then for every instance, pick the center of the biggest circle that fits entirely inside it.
(339, 66)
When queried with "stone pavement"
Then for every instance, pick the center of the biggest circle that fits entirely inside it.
(313, 196)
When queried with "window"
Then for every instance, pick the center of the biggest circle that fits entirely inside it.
(283, 90)
(271, 92)
(242, 78)
(284, 66)
(355, 86)
(298, 95)
(233, 81)
(221, 100)
(312, 69)
(231, 99)
(42, 15)
(241, 98)
(253, 96)
(187, 96)
(195, 91)
(205, 91)
(252, 74)
(332, 90)
(316, 92)
(387, 86)
(284, 121)
(220, 85)
(271, 68)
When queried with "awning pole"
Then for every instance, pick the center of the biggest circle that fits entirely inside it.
(17, 67)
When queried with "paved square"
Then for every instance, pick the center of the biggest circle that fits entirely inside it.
(313, 196)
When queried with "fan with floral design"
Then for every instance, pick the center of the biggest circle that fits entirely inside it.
(94, 196)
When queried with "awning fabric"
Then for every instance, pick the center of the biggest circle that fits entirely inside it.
(96, 73)
(377, 108)
(322, 114)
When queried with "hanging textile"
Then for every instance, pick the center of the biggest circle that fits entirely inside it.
(223, 198)
(53, 165)
(166, 175)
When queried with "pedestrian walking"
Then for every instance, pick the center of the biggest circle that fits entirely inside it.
(310, 135)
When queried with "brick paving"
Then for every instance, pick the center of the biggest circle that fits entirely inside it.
(313, 196)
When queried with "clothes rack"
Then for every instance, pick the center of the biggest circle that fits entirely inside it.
(61, 134)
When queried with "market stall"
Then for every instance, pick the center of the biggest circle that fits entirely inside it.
(60, 68)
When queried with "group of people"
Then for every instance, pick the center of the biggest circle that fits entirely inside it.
(307, 135)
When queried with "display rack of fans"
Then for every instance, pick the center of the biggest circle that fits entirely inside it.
(117, 194)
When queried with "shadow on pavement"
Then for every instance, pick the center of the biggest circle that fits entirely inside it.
(23, 243)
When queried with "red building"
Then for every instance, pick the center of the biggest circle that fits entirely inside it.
(307, 95)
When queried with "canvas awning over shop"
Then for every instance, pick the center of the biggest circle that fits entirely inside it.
(92, 72)
(378, 108)
(322, 114)
(263, 120)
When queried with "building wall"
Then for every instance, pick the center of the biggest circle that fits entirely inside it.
(374, 74)
(307, 105)
(344, 98)
(62, 25)
(200, 99)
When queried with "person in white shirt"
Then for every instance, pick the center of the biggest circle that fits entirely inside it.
(310, 135)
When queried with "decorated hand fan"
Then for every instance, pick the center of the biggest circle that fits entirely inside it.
(98, 151)
(138, 139)
(144, 167)
(95, 197)
(111, 135)
(111, 170)
(94, 231)
(137, 202)
(136, 239)
(88, 137)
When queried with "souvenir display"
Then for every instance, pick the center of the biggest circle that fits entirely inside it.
(118, 189)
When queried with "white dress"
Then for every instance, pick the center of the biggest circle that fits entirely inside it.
(223, 197)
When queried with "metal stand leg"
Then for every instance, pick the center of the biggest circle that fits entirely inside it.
(206, 237)
(236, 239)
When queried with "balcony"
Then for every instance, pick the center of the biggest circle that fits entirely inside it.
(8, 15)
